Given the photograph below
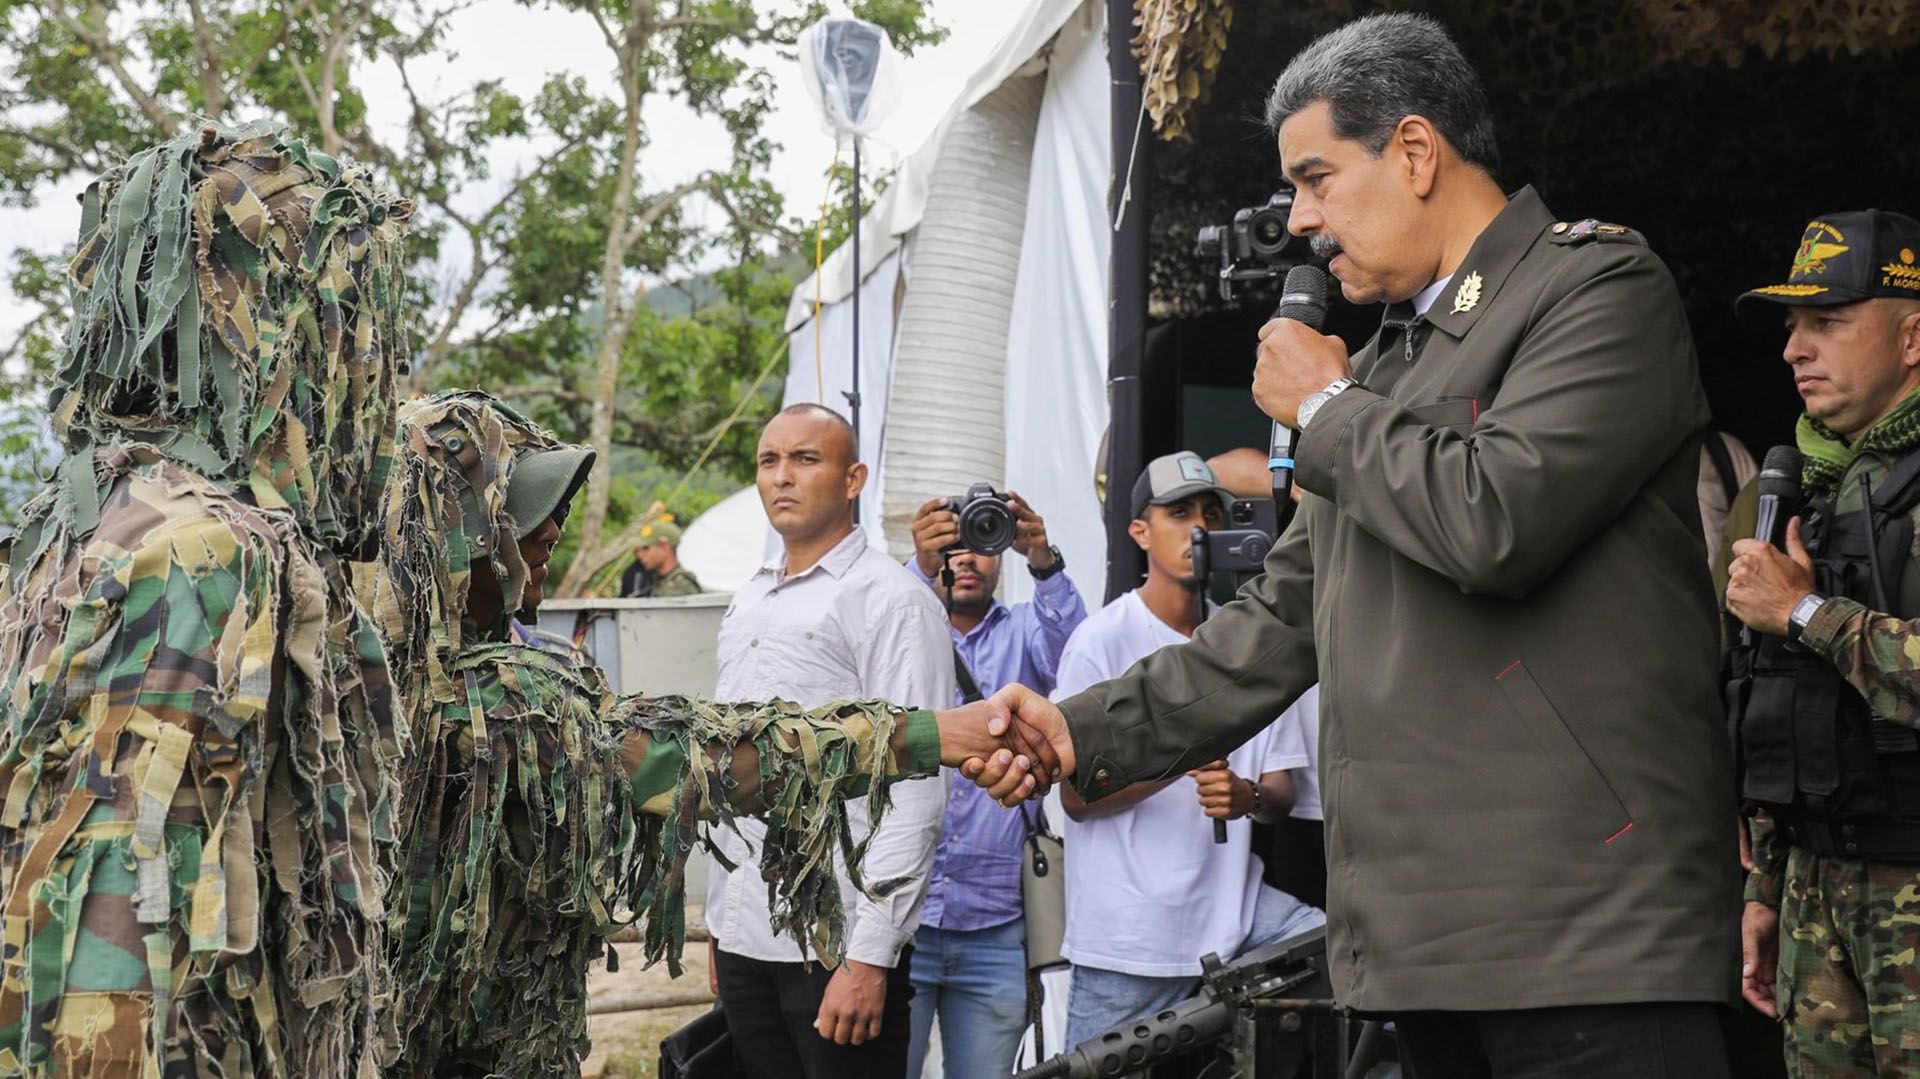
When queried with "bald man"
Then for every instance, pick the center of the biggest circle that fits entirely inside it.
(830, 619)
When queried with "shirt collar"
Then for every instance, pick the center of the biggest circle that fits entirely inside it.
(1423, 300)
(834, 563)
(996, 611)
(1505, 241)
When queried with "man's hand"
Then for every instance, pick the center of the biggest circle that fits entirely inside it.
(1295, 361)
(1015, 744)
(935, 529)
(855, 1000)
(1763, 585)
(713, 966)
(1223, 794)
(1760, 957)
(1030, 533)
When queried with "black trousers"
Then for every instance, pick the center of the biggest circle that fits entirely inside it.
(1604, 1041)
(770, 1010)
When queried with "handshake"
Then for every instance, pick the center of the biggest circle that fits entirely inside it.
(1014, 744)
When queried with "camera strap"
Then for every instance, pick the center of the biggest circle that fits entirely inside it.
(969, 689)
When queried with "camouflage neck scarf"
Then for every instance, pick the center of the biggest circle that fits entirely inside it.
(1825, 455)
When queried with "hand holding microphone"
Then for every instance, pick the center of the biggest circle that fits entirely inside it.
(1295, 360)
(1772, 571)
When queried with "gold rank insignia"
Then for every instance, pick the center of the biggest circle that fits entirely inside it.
(1468, 295)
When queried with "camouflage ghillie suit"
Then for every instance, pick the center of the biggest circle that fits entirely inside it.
(195, 735)
(1848, 981)
(538, 813)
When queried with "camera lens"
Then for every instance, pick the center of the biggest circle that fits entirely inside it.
(1267, 232)
(986, 526)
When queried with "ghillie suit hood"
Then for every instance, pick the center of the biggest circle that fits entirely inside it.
(196, 742)
(540, 813)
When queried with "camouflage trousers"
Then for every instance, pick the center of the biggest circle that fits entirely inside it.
(1849, 979)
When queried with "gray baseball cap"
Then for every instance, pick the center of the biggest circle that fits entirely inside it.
(1174, 477)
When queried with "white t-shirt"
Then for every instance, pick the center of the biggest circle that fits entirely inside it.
(1304, 715)
(1148, 890)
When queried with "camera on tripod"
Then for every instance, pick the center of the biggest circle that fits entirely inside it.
(986, 519)
(1255, 247)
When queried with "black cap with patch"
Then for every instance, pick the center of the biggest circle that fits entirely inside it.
(1845, 258)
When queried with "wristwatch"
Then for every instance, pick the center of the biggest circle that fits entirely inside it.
(1259, 799)
(1059, 563)
(1803, 613)
(1312, 402)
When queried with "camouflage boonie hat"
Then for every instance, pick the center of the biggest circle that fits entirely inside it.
(1844, 258)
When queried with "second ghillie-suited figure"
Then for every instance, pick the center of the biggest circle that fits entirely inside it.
(195, 740)
(539, 813)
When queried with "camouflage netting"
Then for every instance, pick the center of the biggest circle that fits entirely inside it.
(196, 744)
(1718, 128)
(539, 813)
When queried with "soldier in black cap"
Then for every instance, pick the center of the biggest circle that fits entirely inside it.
(1825, 719)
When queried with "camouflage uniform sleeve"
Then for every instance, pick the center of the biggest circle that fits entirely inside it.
(1878, 654)
(1767, 880)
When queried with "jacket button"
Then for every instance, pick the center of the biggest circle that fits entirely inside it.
(1559, 226)
(1101, 775)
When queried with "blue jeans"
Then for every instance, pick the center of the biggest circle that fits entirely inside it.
(975, 980)
(1102, 999)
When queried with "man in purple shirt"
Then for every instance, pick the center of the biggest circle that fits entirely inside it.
(969, 955)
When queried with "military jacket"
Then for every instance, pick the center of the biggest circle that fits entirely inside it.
(677, 583)
(1498, 580)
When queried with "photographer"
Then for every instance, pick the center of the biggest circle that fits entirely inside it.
(1149, 891)
(1497, 578)
(969, 960)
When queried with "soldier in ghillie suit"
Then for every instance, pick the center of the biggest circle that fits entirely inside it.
(196, 746)
(1825, 696)
(538, 812)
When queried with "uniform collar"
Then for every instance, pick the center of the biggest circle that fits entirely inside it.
(1476, 283)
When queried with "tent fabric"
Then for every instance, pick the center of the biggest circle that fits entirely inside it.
(1056, 400)
(828, 381)
(899, 208)
(950, 358)
(724, 546)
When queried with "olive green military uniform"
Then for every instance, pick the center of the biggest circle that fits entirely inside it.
(538, 813)
(1498, 580)
(677, 582)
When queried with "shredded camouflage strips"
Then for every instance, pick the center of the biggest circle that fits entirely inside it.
(539, 814)
(196, 744)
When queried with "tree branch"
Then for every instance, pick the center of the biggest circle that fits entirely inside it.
(213, 92)
(98, 41)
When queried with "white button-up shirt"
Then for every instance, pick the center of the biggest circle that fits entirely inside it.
(854, 626)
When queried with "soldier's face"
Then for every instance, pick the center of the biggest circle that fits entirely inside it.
(1853, 363)
(536, 551)
(1356, 207)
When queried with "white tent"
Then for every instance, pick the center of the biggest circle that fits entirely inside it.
(984, 299)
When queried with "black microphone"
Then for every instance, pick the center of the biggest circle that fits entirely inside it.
(1304, 300)
(1779, 501)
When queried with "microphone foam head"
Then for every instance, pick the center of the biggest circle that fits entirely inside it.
(1305, 296)
(1780, 473)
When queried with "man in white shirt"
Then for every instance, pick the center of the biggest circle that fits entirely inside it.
(832, 619)
(1148, 890)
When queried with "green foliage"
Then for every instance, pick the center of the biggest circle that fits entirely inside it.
(519, 305)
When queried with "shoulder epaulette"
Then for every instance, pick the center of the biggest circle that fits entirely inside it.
(1573, 233)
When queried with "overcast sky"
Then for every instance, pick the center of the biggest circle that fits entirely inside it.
(523, 46)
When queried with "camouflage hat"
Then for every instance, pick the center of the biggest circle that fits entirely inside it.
(662, 529)
(543, 484)
(1844, 258)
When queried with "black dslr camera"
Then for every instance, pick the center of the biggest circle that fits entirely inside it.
(1256, 247)
(986, 519)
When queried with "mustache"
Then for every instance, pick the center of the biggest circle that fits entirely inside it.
(1324, 245)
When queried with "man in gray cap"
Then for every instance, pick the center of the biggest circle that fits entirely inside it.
(1139, 916)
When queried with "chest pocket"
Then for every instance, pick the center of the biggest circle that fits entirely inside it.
(1458, 413)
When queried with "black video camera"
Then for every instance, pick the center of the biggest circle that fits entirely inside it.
(1241, 547)
(986, 519)
(1256, 247)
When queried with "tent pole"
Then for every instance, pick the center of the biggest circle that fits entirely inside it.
(1127, 208)
(853, 398)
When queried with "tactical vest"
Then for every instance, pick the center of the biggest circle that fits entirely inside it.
(1837, 779)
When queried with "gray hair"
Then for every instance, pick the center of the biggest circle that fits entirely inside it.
(1376, 71)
